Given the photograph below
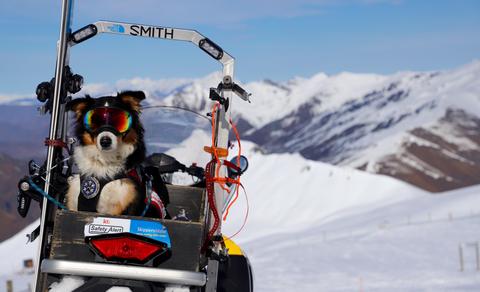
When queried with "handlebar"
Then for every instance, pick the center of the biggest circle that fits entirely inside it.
(195, 171)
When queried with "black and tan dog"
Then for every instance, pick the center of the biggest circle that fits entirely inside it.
(111, 145)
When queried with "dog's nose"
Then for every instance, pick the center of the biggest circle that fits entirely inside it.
(105, 142)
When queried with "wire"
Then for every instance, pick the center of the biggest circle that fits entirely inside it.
(148, 194)
(211, 175)
(245, 219)
(221, 181)
(237, 181)
(177, 107)
(43, 193)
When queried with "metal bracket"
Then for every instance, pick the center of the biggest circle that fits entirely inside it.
(212, 276)
(229, 85)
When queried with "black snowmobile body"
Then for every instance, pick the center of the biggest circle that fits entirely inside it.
(185, 264)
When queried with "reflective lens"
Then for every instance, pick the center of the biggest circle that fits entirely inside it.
(118, 119)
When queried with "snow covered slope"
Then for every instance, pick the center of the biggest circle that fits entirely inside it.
(407, 246)
(287, 192)
(13, 252)
(318, 227)
(325, 228)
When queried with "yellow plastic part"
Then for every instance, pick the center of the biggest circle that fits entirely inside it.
(232, 247)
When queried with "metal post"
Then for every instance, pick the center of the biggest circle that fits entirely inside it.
(222, 128)
(477, 255)
(460, 254)
(9, 286)
(360, 284)
(62, 51)
(212, 276)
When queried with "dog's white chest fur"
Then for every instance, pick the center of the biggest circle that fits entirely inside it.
(93, 162)
(114, 197)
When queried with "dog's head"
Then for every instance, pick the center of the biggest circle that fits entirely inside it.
(110, 125)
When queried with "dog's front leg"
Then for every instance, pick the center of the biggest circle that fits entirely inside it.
(117, 196)
(73, 192)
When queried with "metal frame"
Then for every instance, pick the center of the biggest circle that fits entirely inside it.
(58, 124)
(55, 125)
(160, 32)
(100, 270)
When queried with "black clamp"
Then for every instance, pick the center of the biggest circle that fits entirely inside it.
(215, 96)
(72, 84)
(228, 85)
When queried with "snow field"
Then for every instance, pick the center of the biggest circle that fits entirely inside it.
(356, 253)
(317, 227)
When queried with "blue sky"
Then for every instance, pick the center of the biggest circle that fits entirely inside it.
(275, 39)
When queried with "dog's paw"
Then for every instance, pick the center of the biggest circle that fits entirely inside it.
(116, 196)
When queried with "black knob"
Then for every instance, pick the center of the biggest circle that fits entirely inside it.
(44, 91)
(75, 83)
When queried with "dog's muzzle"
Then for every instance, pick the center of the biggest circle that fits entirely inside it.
(107, 141)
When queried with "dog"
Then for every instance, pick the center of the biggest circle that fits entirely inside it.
(111, 146)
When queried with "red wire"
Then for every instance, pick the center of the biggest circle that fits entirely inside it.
(211, 201)
(245, 219)
(214, 177)
(231, 203)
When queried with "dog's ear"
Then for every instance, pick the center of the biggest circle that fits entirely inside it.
(132, 99)
(79, 105)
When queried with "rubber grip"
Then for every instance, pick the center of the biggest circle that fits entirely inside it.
(23, 204)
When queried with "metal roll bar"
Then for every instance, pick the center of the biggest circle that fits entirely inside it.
(157, 32)
(100, 270)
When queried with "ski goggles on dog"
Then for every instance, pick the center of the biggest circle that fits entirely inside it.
(107, 117)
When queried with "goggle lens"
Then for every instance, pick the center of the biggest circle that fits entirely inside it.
(118, 119)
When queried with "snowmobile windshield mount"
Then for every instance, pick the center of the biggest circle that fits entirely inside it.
(156, 32)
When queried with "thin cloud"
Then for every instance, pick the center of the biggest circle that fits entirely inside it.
(209, 12)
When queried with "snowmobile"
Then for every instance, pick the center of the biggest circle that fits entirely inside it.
(141, 253)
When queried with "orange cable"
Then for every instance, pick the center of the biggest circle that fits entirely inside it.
(222, 181)
(246, 215)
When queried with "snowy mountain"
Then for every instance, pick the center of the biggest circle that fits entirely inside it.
(420, 127)
(321, 217)
(319, 227)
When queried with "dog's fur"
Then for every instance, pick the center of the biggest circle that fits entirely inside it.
(119, 196)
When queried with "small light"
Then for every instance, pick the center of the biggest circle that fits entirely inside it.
(211, 48)
(24, 186)
(84, 33)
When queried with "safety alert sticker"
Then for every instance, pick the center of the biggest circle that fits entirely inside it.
(151, 229)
